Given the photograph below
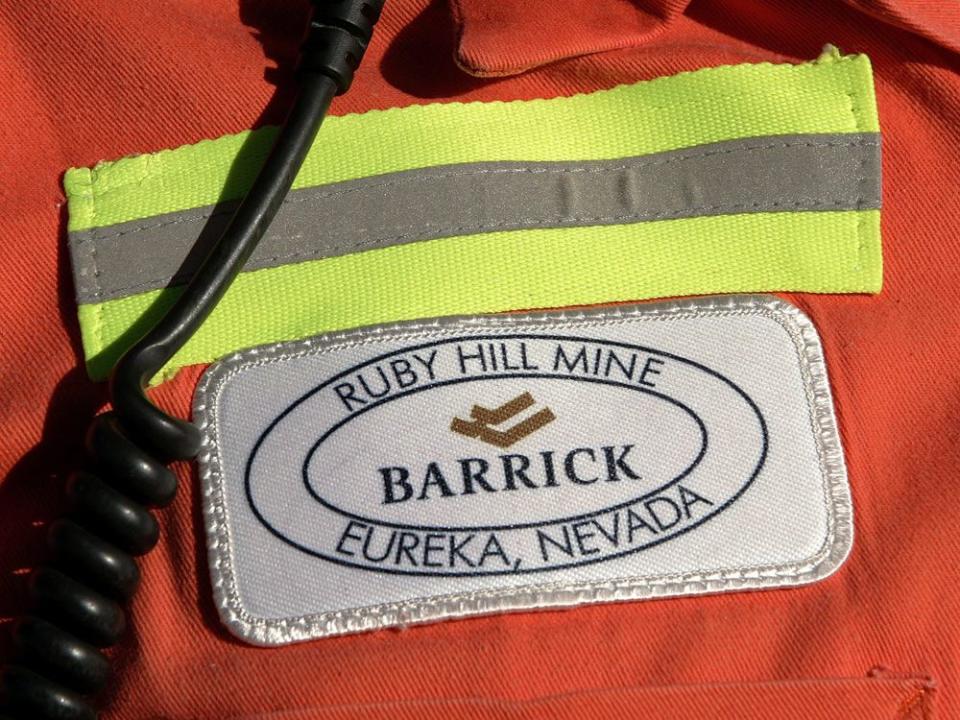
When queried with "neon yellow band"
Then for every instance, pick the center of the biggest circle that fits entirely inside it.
(815, 252)
(822, 251)
(831, 95)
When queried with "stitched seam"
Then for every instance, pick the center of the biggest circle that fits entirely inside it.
(640, 163)
(99, 331)
(700, 101)
(903, 711)
(695, 576)
(858, 217)
(484, 226)
(438, 231)
(918, 697)
(805, 361)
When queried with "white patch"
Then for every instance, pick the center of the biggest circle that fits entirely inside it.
(461, 466)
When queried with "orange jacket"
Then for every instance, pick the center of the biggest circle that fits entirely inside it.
(85, 80)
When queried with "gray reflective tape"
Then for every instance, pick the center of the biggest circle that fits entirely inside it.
(784, 173)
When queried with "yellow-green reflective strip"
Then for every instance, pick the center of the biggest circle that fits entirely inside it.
(796, 173)
(816, 252)
(831, 95)
(801, 251)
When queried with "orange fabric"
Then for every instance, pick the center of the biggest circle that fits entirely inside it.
(84, 80)
(834, 699)
(494, 37)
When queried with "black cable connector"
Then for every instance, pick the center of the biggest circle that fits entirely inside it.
(78, 599)
(338, 38)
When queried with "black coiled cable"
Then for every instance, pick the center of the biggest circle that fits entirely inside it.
(78, 599)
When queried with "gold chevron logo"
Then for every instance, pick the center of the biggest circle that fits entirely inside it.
(483, 422)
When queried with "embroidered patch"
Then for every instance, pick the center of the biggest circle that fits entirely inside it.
(461, 466)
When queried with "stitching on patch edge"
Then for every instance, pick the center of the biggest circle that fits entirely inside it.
(275, 631)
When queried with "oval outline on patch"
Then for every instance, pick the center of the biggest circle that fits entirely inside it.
(722, 506)
(704, 442)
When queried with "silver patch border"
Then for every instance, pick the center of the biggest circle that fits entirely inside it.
(532, 596)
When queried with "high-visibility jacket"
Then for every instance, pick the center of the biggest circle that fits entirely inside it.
(879, 639)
